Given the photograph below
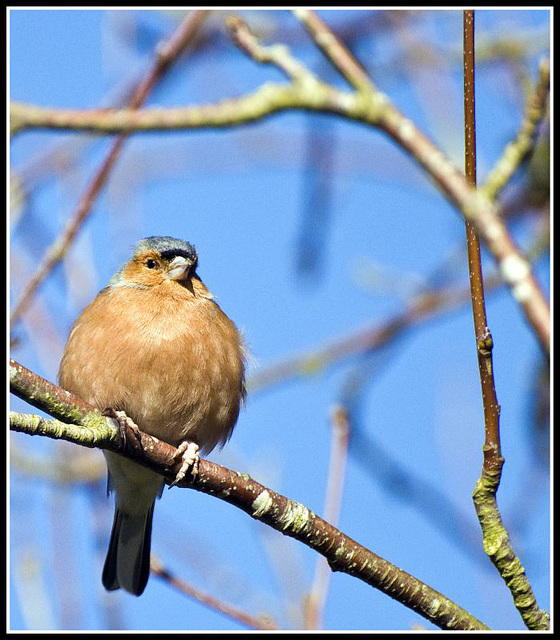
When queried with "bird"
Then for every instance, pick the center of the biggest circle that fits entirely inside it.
(155, 348)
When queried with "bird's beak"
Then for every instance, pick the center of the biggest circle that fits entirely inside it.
(179, 268)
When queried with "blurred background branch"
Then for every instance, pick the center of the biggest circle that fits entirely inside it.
(367, 105)
(167, 52)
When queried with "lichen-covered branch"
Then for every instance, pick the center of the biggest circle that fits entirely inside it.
(265, 101)
(261, 503)
(78, 422)
(98, 434)
(497, 545)
(278, 54)
(51, 399)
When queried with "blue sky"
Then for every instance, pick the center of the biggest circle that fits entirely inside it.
(244, 198)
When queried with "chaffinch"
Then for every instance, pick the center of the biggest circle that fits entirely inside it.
(156, 346)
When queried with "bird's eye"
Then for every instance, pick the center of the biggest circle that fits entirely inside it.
(151, 264)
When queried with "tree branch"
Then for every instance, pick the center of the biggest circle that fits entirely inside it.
(517, 151)
(424, 306)
(368, 106)
(261, 503)
(262, 622)
(278, 54)
(333, 49)
(496, 541)
(484, 344)
(166, 53)
(421, 308)
(316, 598)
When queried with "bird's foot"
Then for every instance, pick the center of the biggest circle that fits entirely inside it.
(124, 422)
(188, 453)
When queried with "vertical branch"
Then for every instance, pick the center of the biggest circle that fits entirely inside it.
(166, 53)
(493, 460)
(496, 540)
(315, 602)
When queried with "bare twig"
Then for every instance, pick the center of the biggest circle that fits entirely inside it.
(261, 503)
(262, 622)
(517, 151)
(495, 536)
(87, 468)
(421, 308)
(166, 54)
(278, 54)
(492, 453)
(339, 55)
(316, 599)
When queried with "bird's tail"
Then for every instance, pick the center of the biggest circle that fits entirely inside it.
(127, 564)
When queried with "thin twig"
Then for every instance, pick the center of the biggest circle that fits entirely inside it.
(492, 452)
(423, 307)
(261, 503)
(263, 622)
(166, 54)
(496, 540)
(317, 597)
(517, 151)
(85, 469)
(278, 54)
(340, 56)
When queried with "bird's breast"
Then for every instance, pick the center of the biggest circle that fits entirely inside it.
(174, 365)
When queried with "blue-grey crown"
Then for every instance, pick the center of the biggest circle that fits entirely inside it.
(167, 247)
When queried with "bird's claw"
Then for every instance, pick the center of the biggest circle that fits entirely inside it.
(123, 421)
(188, 453)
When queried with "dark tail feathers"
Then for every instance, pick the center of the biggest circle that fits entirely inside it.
(127, 564)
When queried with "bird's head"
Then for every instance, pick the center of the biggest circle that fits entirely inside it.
(157, 260)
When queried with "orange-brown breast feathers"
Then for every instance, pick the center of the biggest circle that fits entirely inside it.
(167, 355)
